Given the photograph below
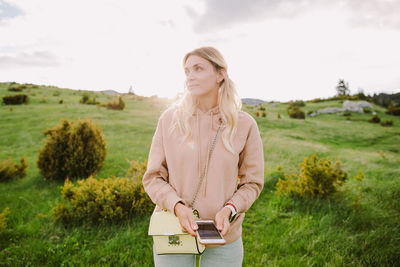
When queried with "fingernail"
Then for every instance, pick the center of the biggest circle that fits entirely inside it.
(195, 228)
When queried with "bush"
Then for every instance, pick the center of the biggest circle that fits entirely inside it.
(3, 220)
(261, 108)
(257, 114)
(263, 114)
(15, 87)
(278, 116)
(347, 113)
(367, 110)
(136, 170)
(102, 201)
(10, 170)
(72, 151)
(87, 100)
(387, 123)
(393, 111)
(295, 112)
(16, 99)
(61, 101)
(375, 119)
(120, 105)
(316, 178)
(297, 103)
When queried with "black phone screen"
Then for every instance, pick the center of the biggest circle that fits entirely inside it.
(208, 231)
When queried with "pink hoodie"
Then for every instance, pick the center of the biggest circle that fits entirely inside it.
(173, 169)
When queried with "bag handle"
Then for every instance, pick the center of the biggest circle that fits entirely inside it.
(205, 167)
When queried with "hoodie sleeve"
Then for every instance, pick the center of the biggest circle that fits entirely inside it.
(155, 179)
(251, 171)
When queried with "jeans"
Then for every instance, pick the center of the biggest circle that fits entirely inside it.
(228, 255)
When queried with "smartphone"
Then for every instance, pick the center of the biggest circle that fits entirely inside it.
(208, 233)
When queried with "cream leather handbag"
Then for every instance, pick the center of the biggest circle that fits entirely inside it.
(168, 236)
(166, 229)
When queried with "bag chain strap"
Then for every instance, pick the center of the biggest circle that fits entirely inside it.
(204, 169)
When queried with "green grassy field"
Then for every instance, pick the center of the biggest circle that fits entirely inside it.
(278, 231)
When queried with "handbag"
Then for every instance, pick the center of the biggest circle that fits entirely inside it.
(166, 229)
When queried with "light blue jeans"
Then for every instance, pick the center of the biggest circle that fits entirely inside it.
(228, 255)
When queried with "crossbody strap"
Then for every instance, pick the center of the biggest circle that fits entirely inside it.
(205, 167)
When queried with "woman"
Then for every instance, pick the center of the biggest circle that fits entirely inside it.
(179, 152)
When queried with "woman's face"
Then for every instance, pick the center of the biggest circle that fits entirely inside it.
(201, 77)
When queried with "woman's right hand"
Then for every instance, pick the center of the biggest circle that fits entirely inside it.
(186, 218)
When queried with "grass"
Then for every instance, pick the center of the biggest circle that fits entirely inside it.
(277, 231)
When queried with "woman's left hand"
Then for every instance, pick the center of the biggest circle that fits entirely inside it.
(222, 220)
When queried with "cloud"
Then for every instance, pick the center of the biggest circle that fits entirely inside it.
(8, 10)
(35, 59)
(375, 13)
(224, 14)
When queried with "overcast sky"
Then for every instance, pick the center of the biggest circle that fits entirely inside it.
(276, 49)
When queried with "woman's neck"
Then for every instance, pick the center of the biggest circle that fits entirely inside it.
(207, 102)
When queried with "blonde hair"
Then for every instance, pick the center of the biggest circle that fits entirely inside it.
(229, 103)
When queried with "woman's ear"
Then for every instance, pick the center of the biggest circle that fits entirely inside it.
(221, 75)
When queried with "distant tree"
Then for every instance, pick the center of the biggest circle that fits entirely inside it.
(130, 92)
(342, 88)
(360, 95)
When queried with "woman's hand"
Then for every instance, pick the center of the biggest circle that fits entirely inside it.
(186, 218)
(222, 220)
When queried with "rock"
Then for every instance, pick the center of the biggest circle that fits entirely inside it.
(356, 106)
(329, 110)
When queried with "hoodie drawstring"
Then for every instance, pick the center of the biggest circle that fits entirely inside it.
(206, 163)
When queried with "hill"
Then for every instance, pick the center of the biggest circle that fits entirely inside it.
(356, 227)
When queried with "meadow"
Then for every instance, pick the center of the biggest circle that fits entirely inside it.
(358, 226)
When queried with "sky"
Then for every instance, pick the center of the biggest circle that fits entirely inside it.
(276, 50)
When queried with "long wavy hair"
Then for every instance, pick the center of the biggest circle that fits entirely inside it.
(229, 102)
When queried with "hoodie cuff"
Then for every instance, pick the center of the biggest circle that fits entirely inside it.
(171, 202)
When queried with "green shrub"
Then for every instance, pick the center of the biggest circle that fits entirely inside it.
(297, 103)
(317, 100)
(84, 99)
(136, 170)
(15, 87)
(367, 110)
(16, 99)
(102, 201)
(295, 112)
(72, 151)
(61, 101)
(261, 108)
(3, 219)
(10, 170)
(316, 178)
(393, 111)
(278, 116)
(56, 93)
(387, 123)
(347, 113)
(263, 114)
(87, 100)
(120, 105)
(375, 119)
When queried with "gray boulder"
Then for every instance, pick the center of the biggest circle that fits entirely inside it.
(329, 110)
(356, 106)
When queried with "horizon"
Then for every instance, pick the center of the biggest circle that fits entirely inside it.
(171, 98)
(276, 51)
